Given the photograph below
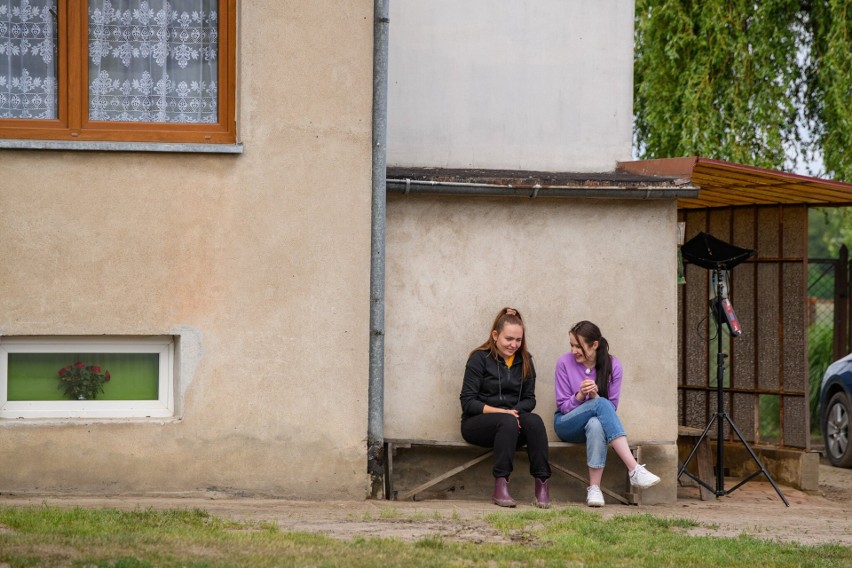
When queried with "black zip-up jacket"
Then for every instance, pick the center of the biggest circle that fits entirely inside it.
(487, 380)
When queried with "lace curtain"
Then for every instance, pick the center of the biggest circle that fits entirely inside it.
(27, 59)
(149, 61)
(153, 61)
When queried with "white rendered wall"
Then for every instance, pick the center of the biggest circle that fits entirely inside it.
(510, 84)
(453, 263)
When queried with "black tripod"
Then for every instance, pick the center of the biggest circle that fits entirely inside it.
(719, 309)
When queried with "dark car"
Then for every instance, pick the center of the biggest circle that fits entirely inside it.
(835, 408)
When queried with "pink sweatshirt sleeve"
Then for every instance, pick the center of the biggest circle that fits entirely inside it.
(566, 382)
(615, 382)
(569, 377)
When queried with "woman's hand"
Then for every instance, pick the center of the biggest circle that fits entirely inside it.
(588, 390)
(493, 409)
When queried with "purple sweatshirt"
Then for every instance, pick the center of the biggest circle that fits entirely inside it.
(569, 375)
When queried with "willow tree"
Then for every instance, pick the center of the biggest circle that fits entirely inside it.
(755, 82)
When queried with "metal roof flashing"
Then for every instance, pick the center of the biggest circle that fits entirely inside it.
(532, 184)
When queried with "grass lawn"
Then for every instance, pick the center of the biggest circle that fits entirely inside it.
(51, 536)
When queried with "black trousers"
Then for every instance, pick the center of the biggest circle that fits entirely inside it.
(500, 431)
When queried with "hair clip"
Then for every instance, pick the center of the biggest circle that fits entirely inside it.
(511, 312)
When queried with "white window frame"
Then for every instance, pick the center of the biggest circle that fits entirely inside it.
(163, 407)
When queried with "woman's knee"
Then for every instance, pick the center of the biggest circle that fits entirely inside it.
(603, 406)
(531, 420)
(504, 420)
(594, 429)
(505, 425)
(569, 428)
(486, 429)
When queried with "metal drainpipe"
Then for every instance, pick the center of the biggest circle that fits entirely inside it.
(376, 418)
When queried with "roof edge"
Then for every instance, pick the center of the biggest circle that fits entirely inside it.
(678, 167)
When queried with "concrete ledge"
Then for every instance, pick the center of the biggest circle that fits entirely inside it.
(662, 460)
(90, 145)
(793, 467)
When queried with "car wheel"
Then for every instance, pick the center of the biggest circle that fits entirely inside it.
(837, 446)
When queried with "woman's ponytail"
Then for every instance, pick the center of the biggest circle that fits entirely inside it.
(603, 362)
(603, 368)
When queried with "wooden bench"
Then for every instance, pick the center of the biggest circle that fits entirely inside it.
(391, 445)
(690, 437)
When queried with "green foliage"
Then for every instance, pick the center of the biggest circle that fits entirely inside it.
(819, 227)
(770, 417)
(820, 356)
(828, 230)
(829, 105)
(820, 281)
(744, 81)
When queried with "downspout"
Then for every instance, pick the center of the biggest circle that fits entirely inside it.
(376, 391)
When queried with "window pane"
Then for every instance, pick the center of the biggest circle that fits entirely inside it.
(35, 376)
(153, 60)
(28, 59)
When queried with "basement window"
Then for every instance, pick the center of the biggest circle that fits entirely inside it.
(141, 371)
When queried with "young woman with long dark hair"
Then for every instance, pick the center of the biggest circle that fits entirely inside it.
(588, 385)
(497, 399)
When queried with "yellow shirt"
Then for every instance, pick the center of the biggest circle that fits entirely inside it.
(509, 361)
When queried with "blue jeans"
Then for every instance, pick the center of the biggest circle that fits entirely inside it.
(594, 423)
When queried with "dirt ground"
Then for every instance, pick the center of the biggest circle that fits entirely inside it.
(818, 517)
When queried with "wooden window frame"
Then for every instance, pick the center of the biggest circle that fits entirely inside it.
(72, 95)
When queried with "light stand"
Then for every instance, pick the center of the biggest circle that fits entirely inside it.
(708, 252)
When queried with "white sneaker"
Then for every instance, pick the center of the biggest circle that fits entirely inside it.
(594, 497)
(642, 478)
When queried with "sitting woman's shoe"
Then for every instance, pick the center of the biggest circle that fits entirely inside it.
(501, 493)
(642, 478)
(542, 494)
(594, 497)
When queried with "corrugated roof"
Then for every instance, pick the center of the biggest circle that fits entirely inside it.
(725, 184)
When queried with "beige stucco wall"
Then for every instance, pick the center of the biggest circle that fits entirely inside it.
(454, 262)
(260, 262)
